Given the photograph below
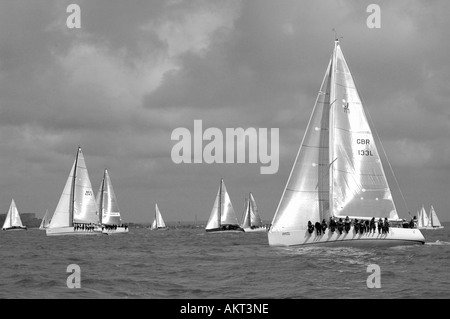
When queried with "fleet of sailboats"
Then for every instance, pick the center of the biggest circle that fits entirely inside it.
(337, 172)
(12, 220)
(108, 208)
(77, 210)
(158, 221)
(251, 220)
(222, 217)
(428, 221)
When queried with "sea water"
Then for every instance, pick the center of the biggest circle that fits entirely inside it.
(192, 264)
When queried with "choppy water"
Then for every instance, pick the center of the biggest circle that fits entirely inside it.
(193, 264)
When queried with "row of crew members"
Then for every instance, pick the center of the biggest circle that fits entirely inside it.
(360, 226)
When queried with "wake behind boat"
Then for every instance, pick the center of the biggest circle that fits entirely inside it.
(12, 220)
(338, 173)
(110, 218)
(222, 217)
(77, 211)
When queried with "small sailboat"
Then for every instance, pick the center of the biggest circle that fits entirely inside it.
(158, 222)
(338, 172)
(251, 221)
(77, 211)
(434, 220)
(222, 217)
(12, 220)
(110, 218)
(45, 221)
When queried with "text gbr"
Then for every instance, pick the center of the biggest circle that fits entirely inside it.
(213, 152)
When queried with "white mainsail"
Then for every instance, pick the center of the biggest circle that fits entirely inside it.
(158, 222)
(77, 202)
(434, 220)
(12, 217)
(338, 171)
(222, 212)
(107, 202)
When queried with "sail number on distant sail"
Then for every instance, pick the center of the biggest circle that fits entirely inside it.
(361, 141)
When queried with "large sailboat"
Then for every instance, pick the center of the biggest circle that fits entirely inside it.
(110, 218)
(158, 222)
(222, 217)
(12, 220)
(77, 211)
(251, 221)
(338, 173)
(45, 221)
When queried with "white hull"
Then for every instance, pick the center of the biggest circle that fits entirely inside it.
(61, 231)
(255, 230)
(118, 230)
(160, 228)
(395, 237)
(432, 228)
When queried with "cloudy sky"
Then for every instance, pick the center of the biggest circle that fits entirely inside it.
(137, 70)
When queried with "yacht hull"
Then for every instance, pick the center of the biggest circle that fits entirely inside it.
(71, 231)
(395, 237)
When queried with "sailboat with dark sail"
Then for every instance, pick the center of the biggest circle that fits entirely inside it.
(108, 208)
(77, 211)
(338, 173)
(223, 217)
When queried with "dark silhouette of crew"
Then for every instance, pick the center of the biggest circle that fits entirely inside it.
(347, 224)
(318, 228)
(310, 227)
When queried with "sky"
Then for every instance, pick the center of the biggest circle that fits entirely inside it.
(137, 70)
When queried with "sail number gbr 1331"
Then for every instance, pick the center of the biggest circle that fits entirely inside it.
(364, 141)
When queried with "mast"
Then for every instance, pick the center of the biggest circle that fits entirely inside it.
(156, 216)
(220, 204)
(101, 198)
(72, 191)
(331, 125)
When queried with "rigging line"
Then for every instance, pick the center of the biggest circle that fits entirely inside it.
(379, 139)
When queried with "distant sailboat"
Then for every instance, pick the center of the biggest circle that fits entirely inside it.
(222, 217)
(337, 173)
(110, 218)
(423, 221)
(77, 211)
(158, 222)
(251, 221)
(12, 220)
(45, 221)
(434, 220)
